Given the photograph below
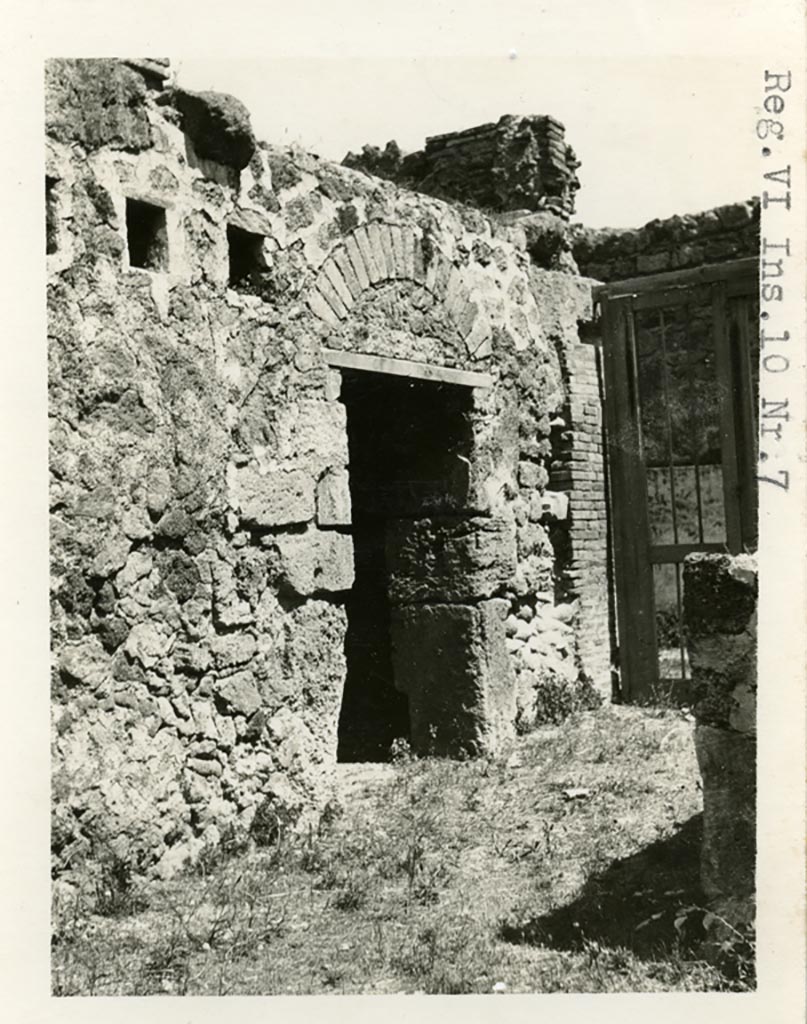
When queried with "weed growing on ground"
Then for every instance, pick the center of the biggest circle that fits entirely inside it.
(556, 699)
(447, 958)
(440, 877)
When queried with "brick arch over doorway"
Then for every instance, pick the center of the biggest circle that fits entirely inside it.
(377, 253)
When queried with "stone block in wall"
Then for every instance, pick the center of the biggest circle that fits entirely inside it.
(232, 649)
(333, 499)
(229, 608)
(311, 434)
(158, 490)
(531, 476)
(314, 656)
(138, 564)
(338, 283)
(315, 561)
(272, 499)
(369, 246)
(256, 222)
(111, 556)
(322, 308)
(452, 662)
(86, 663)
(135, 523)
(354, 254)
(147, 643)
(96, 103)
(449, 558)
(239, 693)
(218, 125)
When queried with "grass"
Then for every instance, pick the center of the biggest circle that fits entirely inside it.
(440, 877)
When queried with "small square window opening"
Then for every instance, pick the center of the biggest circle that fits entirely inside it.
(247, 262)
(146, 235)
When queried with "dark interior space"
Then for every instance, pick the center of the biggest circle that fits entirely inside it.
(409, 442)
(146, 235)
(245, 249)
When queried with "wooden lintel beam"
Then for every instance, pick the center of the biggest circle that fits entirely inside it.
(406, 368)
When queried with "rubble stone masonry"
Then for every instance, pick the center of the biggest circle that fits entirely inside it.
(202, 538)
(674, 243)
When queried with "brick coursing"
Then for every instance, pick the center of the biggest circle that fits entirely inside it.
(515, 163)
(578, 469)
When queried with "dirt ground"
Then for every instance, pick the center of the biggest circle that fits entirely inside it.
(570, 864)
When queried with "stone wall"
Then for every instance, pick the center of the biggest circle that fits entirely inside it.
(675, 243)
(199, 285)
(720, 617)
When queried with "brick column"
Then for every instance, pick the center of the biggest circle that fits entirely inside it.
(578, 469)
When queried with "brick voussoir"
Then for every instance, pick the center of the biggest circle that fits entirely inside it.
(398, 256)
(364, 242)
(408, 236)
(320, 307)
(331, 296)
(419, 261)
(387, 253)
(331, 270)
(354, 254)
(345, 268)
(374, 238)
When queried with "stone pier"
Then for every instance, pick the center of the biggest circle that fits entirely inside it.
(720, 613)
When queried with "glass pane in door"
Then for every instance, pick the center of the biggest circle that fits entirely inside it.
(679, 407)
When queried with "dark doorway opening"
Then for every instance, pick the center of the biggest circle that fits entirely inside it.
(409, 444)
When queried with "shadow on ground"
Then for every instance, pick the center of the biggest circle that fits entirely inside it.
(633, 904)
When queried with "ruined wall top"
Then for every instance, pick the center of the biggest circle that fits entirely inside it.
(515, 164)
(675, 243)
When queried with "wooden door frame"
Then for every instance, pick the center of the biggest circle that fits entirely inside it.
(628, 508)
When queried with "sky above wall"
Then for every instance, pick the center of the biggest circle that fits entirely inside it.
(660, 105)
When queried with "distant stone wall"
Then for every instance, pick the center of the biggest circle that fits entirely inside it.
(720, 620)
(675, 243)
(201, 538)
